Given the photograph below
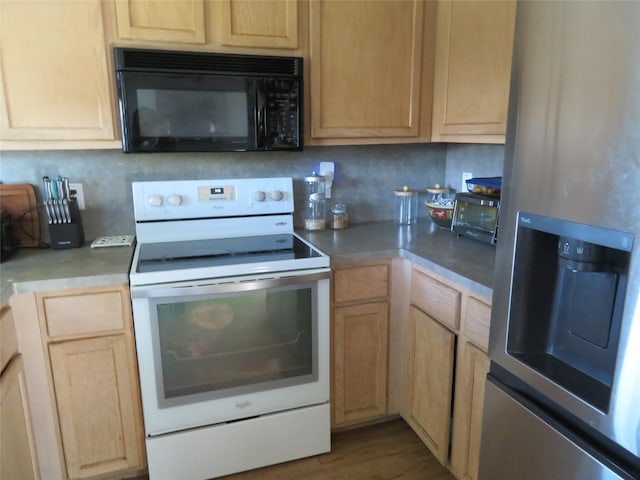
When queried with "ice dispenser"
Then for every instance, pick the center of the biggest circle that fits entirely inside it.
(567, 296)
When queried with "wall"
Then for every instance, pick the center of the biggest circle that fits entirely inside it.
(365, 176)
(480, 160)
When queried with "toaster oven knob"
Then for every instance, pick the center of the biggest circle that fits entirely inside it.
(154, 200)
(276, 195)
(260, 196)
(174, 199)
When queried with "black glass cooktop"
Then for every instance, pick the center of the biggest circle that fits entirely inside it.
(218, 252)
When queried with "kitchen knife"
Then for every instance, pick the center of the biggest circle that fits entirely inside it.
(62, 201)
(53, 189)
(47, 203)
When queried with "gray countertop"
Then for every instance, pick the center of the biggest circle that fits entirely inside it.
(463, 261)
(466, 262)
(32, 270)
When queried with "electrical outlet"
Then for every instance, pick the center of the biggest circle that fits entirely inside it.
(465, 176)
(78, 195)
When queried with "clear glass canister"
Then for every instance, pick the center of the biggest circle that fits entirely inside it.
(339, 216)
(315, 209)
(407, 206)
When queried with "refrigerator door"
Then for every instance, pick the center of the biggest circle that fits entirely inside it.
(572, 152)
(518, 443)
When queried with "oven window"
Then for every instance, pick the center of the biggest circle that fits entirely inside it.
(227, 345)
(478, 216)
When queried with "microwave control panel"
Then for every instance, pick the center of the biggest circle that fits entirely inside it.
(282, 112)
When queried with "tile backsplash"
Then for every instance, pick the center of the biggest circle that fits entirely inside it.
(365, 175)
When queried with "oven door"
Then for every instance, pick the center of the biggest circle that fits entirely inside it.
(213, 352)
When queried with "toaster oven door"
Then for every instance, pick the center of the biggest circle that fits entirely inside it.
(476, 217)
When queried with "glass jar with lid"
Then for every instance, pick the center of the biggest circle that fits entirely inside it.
(407, 205)
(339, 216)
(315, 208)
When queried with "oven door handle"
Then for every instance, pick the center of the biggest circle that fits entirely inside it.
(237, 286)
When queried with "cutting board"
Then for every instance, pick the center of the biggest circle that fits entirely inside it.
(19, 200)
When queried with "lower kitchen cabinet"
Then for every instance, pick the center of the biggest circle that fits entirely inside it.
(17, 450)
(96, 408)
(467, 425)
(359, 346)
(17, 456)
(432, 363)
(91, 368)
(360, 336)
(448, 335)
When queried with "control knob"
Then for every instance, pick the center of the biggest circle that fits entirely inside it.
(260, 196)
(174, 199)
(154, 200)
(276, 195)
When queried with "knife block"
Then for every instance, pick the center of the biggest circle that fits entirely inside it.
(67, 235)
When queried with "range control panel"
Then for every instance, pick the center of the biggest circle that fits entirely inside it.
(196, 199)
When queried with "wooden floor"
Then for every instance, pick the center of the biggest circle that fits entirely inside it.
(385, 451)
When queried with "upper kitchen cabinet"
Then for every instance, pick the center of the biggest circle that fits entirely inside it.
(370, 71)
(474, 41)
(209, 25)
(259, 23)
(175, 21)
(54, 76)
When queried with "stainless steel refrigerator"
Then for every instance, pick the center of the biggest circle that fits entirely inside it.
(562, 397)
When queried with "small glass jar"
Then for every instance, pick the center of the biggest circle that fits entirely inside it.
(339, 216)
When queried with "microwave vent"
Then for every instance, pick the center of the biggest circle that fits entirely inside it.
(216, 63)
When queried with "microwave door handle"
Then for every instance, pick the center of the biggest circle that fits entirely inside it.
(261, 116)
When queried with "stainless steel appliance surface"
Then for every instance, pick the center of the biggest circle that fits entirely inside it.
(563, 390)
(231, 319)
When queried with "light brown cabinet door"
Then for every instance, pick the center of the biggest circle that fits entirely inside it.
(173, 21)
(360, 346)
(474, 41)
(259, 23)
(473, 369)
(54, 79)
(432, 382)
(96, 402)
(17, 454)
(366, 65)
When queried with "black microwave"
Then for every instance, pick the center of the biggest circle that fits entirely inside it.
(172, 101)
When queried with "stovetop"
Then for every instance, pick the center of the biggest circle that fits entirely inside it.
(211, 229)
(218, 252)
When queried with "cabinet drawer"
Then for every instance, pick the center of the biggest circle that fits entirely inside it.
(8, 337)
(477, 319)
(360, 283)
(440, 301)
(83, 313)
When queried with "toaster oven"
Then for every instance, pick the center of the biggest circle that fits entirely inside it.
(476, 216)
